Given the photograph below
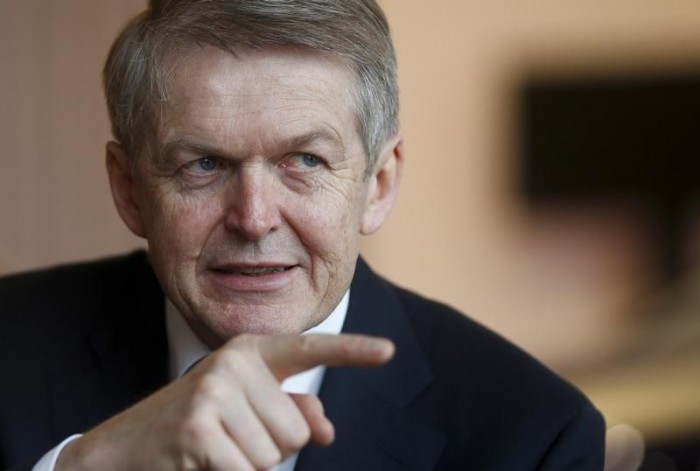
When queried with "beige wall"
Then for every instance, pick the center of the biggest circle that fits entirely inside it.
(561, 286)
(54, 200)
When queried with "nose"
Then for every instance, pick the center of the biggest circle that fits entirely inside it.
(252, 208)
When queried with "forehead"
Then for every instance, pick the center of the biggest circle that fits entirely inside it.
(268, 92)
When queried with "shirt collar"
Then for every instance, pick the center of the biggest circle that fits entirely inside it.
(185, 348)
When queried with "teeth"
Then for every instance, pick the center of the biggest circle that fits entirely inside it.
(253, 271)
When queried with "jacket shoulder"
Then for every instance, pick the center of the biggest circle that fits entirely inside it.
(78, 343)
(468, 346)
(53, 287)
(513, 404)
(64, 299)
(67, 278)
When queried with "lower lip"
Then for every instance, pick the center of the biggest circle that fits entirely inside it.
(268, 282)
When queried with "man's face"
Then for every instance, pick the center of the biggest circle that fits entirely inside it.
(256, 195)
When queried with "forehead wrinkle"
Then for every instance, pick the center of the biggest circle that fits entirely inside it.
(240, 104)
(249, 128)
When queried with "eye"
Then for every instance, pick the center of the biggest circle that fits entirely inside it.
(302, 162)
(205, 164)
(202, 166)
(202, 171)
(309, 160)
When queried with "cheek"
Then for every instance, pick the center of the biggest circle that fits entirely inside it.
(329, 226)
(180, 226)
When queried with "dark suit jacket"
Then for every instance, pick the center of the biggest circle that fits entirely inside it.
(80, 343)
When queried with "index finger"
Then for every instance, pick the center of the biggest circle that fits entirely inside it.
(287, 355)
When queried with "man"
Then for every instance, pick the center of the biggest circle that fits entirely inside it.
(255, 142)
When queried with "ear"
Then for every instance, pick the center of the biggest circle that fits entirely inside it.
(123, 185)
(383, 185)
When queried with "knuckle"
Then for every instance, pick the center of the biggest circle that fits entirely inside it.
(228, 359)
(244, 342)
(307, 343)
(229, 465)
(187, 462)
(191, 436)
(269, 459)
(345, 348)
(348, 349)
(294, 437)
(210, 387)
(238, 356)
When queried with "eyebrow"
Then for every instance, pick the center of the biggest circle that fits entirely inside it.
(317, 135)
(181, 143)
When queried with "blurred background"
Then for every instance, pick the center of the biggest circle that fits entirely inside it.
(551, 186)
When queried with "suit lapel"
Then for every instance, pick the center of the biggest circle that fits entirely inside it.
(382, 416)
(122, 355)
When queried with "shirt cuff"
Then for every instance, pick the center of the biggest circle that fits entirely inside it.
(48, 461)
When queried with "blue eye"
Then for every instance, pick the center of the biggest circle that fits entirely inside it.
(302, 162)
(206, 164)
(310, 160)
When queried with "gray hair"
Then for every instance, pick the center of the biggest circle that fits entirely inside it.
(136, 71)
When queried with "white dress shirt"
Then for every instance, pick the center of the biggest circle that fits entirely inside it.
(185, 349)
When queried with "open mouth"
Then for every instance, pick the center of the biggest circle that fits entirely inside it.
(252, 271)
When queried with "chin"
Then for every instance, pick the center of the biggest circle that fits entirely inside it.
(262, 325)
